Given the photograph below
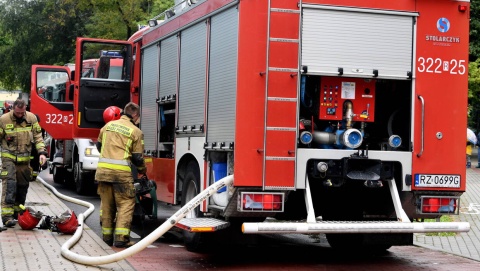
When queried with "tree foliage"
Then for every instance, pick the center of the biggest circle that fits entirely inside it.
(36, 32)
(474, 68)
(121, 18)
(474, 30)
(45, 31)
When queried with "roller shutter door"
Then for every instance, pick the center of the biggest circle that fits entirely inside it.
(358, 40)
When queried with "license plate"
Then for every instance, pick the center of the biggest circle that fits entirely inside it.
(437, 180)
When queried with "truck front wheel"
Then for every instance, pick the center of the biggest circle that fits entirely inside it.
(59, 174)
(82, 184)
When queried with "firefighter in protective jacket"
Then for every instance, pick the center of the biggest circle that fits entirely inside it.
(19, 130)
(120, 143)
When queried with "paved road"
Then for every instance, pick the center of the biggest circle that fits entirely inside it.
(40, 249)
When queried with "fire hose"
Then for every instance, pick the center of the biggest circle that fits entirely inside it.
(142, 244)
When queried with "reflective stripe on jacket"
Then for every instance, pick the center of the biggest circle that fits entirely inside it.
(17, 139)
(120, 138)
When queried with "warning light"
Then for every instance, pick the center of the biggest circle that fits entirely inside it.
(262, 201)
(439, 205)
(462, 8)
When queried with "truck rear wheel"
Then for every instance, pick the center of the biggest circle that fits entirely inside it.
(194, 241)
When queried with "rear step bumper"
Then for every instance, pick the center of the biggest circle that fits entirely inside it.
(202, 224)
(355, 227)
(212, 224)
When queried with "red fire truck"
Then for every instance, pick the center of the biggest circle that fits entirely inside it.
(339, 117)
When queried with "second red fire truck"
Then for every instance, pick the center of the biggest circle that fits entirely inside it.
(334, 117)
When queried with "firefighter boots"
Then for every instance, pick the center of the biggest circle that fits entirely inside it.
(10, 223)
(108, 239)
(124, 244)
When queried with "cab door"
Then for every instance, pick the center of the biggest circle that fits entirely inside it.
(52, 100)
(106, 83)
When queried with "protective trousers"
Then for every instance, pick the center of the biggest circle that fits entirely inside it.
(118, 204)
(15, 183)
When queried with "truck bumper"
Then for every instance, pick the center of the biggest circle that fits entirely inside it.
(90, 163)
(355, 227)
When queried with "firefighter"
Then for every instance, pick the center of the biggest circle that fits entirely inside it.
(120, 143)
(19, 130)
(111, 113)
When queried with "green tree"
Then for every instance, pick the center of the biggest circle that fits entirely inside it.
(36, 32)
(474, 30)
(474, 72)
(45, 31)
(121, 18)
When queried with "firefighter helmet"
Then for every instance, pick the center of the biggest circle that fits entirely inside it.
(67, 223)
(29, 220)
(111, 113)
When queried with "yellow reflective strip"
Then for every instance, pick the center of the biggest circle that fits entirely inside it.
(37, 127)
(7, 211)
(113, 166)
(9, 126)
(4, 173)
(40, 145)
(8, 155)
(18, 158)
(18, 129)
(23, 159)
(122, 231)
(107, 231)
(79, 118)
(142, 142)
(126, 153)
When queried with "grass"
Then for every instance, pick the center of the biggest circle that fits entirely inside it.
(443, 218)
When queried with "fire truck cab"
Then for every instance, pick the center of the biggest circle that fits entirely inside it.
(73, 159)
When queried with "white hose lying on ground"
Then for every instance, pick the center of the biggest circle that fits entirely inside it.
(142, 244)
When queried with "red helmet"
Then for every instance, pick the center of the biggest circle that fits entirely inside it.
(67, 223)
(111, 113)
(29, 220)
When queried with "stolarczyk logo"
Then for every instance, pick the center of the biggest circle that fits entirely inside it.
(443, 25)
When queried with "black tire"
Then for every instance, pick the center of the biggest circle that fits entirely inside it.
(82, 184)
(193, 241)
(59, 174)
